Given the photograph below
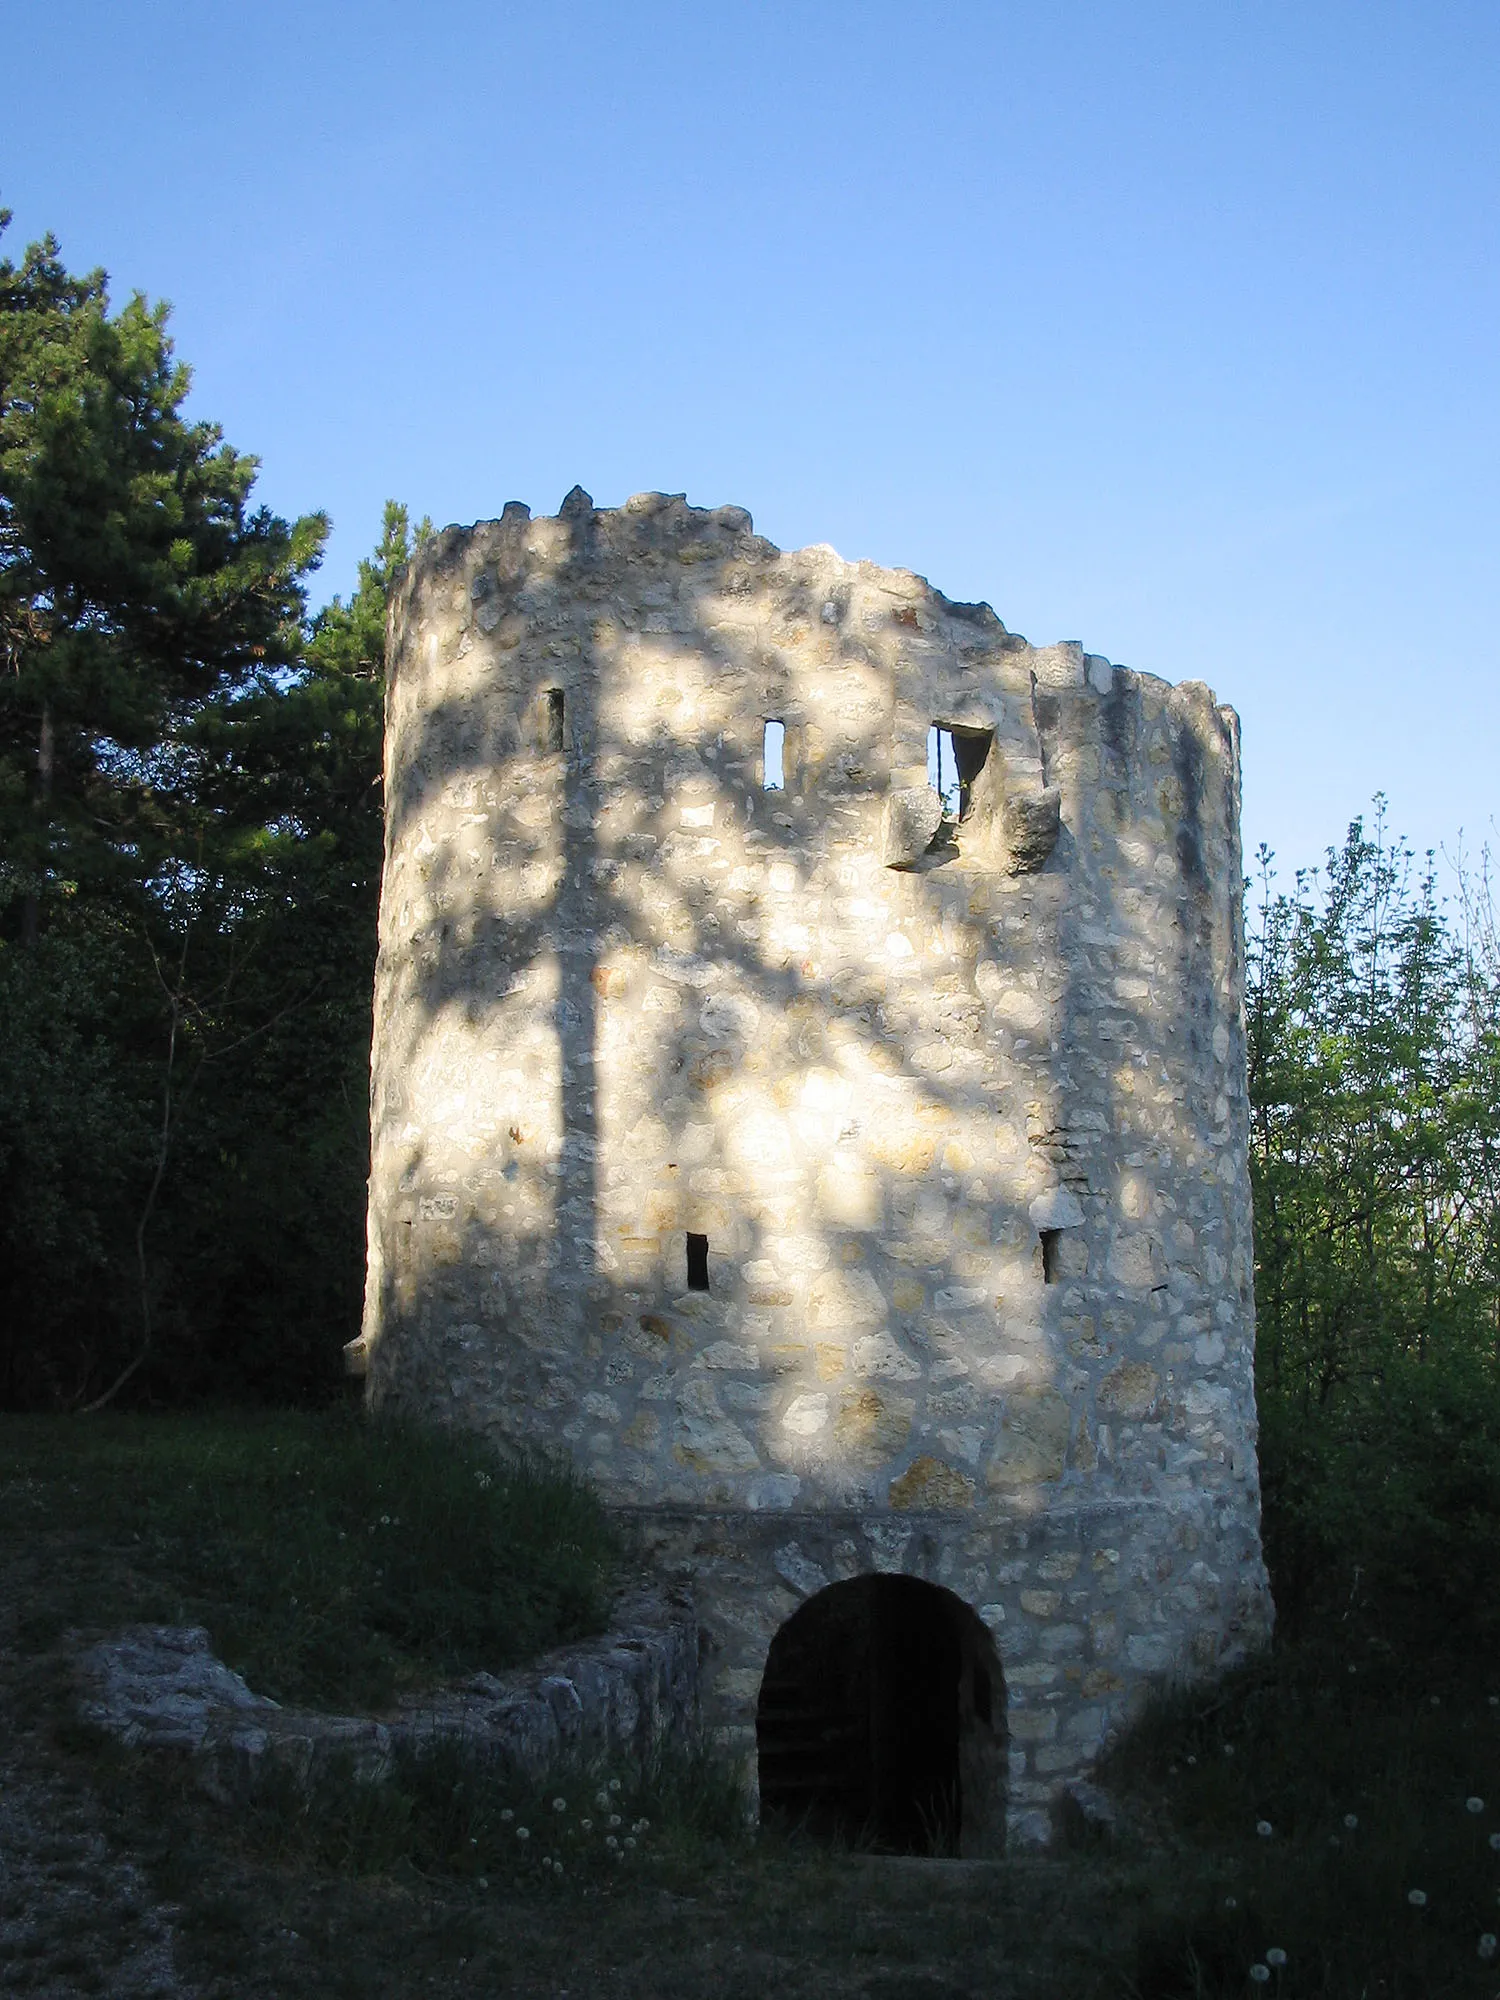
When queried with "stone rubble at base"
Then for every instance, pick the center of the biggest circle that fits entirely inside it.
(161, 1687)
(959, 1105)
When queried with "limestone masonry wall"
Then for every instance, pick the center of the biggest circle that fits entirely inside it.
(958, 1103)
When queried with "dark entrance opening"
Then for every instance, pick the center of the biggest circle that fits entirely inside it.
(881, 1721)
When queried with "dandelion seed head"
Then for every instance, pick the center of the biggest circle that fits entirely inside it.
(1260, 1974)
(601, 1800)
(1474, 1805)
(1417, 1898)
(484, 1881)
(1351, 1820)
(523, 1833)
(1231, 1902)
(587, 1825)
(507, 1813)
(1488, 1944)
(614, 1819)
(1276, 1956)
(628, 1841)
(1264, 1828)
(614, 1784)
(559, 1805)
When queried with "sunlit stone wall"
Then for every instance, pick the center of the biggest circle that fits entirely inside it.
(964, 1123)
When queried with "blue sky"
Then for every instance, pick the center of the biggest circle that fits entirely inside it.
(1166, 327)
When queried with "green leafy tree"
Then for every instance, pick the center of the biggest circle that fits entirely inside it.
(1375, 1145)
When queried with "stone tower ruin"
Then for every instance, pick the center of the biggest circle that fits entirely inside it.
(809, 1091)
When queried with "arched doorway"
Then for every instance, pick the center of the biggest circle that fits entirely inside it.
(882, 1719)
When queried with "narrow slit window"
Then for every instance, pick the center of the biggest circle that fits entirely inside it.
(1051, 1244)
(697, 1262)
(554, 721)
(773, 767)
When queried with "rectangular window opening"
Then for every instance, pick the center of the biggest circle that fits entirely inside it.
(773, 778)
(697, 1262)
(955, 758)
(554, 731)
(1051, 1242)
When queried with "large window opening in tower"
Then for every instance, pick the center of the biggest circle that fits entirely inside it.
(882, 1720)
(955, 758)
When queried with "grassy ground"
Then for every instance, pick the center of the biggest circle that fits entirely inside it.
(428, 1886)
(333, 1562)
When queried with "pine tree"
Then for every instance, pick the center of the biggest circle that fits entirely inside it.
(136, 581)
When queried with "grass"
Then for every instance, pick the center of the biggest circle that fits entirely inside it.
(1344, 1808)
(274, 1533)
(333, 1561)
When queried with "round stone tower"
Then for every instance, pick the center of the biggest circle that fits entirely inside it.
(809, 1091)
